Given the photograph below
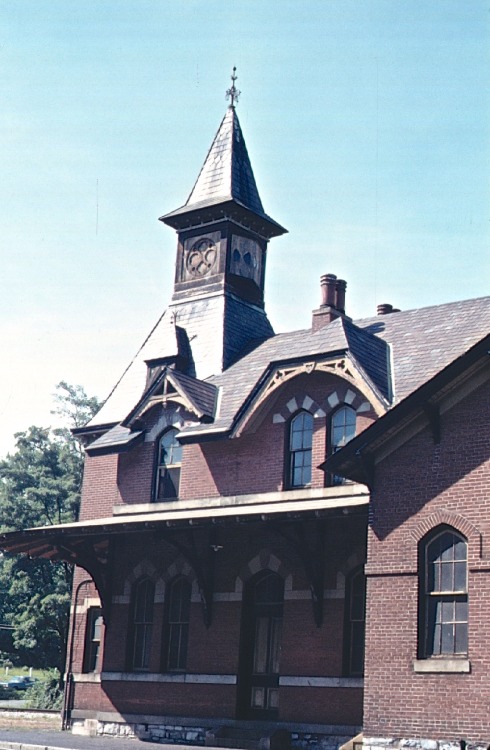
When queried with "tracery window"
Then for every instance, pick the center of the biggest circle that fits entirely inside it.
(300, 449)
(443, 594)
(143, 595)
(169, 460)
(177, 622)
(342, 429)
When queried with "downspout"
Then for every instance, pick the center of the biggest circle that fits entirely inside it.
(68, 694)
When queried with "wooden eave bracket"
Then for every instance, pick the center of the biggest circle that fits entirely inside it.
(313, 558)
(202, 562)
(89, 557)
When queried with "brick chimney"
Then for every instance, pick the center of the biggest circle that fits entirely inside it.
(333, 301)
(386, 309)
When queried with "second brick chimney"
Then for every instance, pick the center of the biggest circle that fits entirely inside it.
(333, 301)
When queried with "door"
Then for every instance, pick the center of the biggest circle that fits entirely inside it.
(261, 646)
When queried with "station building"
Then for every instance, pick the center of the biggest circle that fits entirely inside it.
(283, 538)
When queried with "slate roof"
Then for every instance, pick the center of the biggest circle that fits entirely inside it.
(226, 177)
(227, 171)
(115, 440)
(425, 340)
(240, 382)
(199, 395)
(356, 460)
(218, 328)
(397, 352)
(202, 395)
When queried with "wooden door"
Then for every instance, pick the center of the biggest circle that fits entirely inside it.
(261, 647)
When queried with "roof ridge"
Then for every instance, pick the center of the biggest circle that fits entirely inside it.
(469, 300)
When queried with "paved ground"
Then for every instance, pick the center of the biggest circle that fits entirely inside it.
(15, 739)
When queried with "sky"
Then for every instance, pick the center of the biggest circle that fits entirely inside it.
(367, 123)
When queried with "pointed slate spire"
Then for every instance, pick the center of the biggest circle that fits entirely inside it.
(227, 173)
(225, 187)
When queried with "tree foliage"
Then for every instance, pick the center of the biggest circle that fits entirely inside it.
(40, 485)
(46, 693)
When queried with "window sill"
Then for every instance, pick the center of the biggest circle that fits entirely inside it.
(442, 666)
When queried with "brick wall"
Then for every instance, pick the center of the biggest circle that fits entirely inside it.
(99, 489)
(251, 463)
(307, 650)
(419, 486)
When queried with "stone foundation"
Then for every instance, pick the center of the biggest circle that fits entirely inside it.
(179, 734)
(166, 734)
(396, 743)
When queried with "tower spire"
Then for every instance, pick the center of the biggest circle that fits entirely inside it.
(233, 93)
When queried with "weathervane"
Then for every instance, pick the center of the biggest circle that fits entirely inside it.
(232, 94)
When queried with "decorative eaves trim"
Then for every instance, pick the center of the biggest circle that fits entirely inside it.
(341, 365)
(180, 396)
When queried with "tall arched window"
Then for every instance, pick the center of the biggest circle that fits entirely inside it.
(443, 594)
(342, 429)
(299, 453)
(177, 622)
(355, 615)
(143, 595)
(169, 461)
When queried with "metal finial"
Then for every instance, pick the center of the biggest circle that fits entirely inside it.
(232, 94)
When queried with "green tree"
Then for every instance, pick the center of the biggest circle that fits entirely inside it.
(40, 485)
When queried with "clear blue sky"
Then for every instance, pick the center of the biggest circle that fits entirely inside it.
(367, 123)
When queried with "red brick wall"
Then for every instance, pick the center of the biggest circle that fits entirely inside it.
(307, 650)
(157, 698)
(75, 658)
(135, 474)
(419, 486)
(251, 463)
(99, 489)
(254, 462)
(322, 705)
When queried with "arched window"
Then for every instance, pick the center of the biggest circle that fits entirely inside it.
(342, 429)
(169, 460)
(177, 622)
(355, 615)
(443, 594)
(93, 636)
(143, 595)
(299, 453)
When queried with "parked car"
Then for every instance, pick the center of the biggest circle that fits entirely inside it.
(18, 683)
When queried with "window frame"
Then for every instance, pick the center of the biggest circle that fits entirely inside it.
(350, 637)
(93, 628)
(177, 630)
(143, 627)
(291, 454)
(333, 480)
(436, 624)
(163, 470)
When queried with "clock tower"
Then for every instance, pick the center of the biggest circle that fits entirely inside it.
(223, 234)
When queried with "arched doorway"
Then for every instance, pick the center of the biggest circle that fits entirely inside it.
(260, 652)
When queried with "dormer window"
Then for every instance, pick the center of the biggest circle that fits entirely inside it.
(169, 460)
(342, 429)
(299, 454)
